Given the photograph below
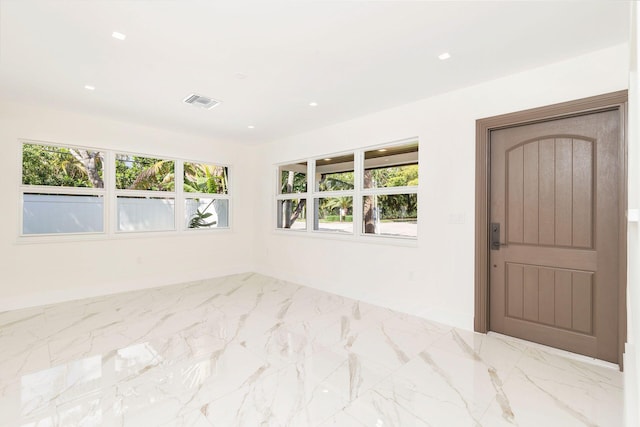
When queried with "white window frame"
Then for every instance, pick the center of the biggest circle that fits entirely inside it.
(60, 190)
(385, 191)
(110, 194)
(182, 196)
(153, 194)
(280, 197)
(357, 193)
(317, 194)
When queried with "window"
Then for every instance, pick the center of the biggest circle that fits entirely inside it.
(390, 199)
(206, 212)
(335, 181)
(145, 193)
(375, 187)
(63, 191)
(200, 182)
(334, 174)
(334, 214)
(291, 201)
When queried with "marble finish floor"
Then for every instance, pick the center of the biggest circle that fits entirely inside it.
(249, 350)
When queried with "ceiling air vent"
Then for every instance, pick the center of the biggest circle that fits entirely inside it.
(201, 101)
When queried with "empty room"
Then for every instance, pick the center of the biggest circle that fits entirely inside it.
(319, 213)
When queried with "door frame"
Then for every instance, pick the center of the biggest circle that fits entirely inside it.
(606, 102)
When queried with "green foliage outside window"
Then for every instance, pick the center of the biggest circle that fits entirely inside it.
(203, 178)
(392, 206)
(335, 207)
(144, 173)
(396, 176)
(398, 206)
(336, 181)
(74, 167)
(60, 166)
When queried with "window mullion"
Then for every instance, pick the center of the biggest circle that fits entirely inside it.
(187, 195)
(390, 190)
(88, 191)
(154, 194)
(357, 196)
(290, 196)
(110, 198)
(179, 206)
(230, 185)
(276, 205)
(311, 200)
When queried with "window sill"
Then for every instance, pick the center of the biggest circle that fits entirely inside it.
(349, 237)
(92, 237)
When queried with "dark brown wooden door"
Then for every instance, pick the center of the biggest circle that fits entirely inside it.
(554, 194)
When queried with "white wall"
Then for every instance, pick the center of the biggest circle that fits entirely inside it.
(632, 353)
(38, 273)
(434, 279)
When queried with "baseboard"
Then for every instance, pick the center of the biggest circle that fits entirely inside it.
(448, 317)
(436, 314)
(63, 295)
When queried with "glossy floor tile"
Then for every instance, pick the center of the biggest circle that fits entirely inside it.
(249, 350)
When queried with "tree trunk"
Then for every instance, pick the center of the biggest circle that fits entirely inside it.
(287, 188)
(297, 212)
(289, 185)
(287, 213)
(88, 160)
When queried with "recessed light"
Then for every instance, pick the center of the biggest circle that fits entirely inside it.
(382, 150)
(119, 36)
(251, 127)
(313, 104)
(327, 160)
(89, 87)
(444, 56)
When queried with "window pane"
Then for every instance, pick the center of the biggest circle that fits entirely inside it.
(334, 174)
(145, 214)
(62, 213)
(61, 166)
(293, 178)
(391, 167)
(292, 214)
(390, 215)
(144, 173)
(205, 178)
(334, 214)
(206, 213)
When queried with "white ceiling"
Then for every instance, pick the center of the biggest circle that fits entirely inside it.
(351, 57)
